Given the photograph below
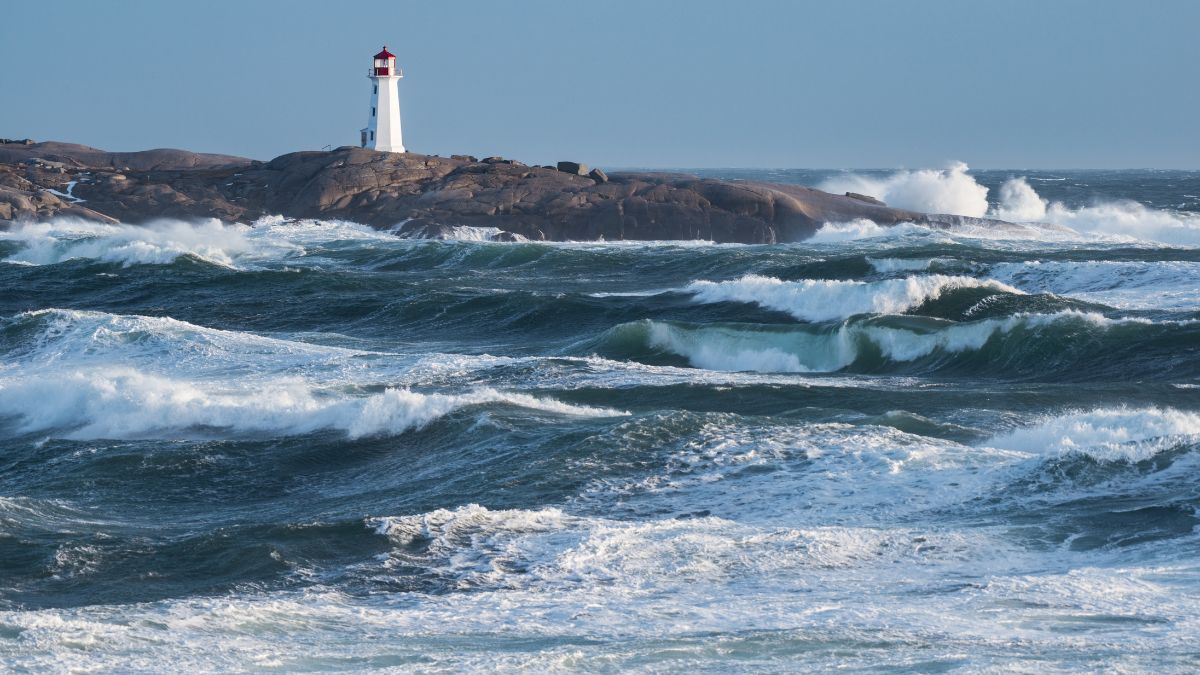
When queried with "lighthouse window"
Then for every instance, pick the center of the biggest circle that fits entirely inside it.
(375, 89)
(372, 135)
(372, 112)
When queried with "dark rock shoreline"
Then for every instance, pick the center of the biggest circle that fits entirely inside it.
(420, 194)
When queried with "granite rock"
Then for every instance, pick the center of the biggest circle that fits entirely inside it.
(426, 194)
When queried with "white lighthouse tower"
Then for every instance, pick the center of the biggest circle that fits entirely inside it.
(383, 126)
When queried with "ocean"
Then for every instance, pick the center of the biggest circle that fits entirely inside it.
(304, 445)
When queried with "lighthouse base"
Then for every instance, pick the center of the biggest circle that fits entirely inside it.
(383, 126)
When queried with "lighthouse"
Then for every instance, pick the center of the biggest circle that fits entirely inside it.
(383, 126)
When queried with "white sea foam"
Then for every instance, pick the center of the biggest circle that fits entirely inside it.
(163, 241)
(732, 349)
(558, 587)
(157, 243)
(870, 233)
(472, 547)
(70, 342)
(892, 265)
(708, 463)
(1167, 284)
(1131, 221)
(630, 294)
(949, 190)
(1111, 434)
(954, 191)
(1121, 219)
(593, 371)
(66, 341)
(1004, 618)
(1019, 202)
(49, 515)
(562, 586)
(182, 379)
(472, 233)
(823, 300)
(789, 350)
(78, 334)
(126, 404)
(861, 228)
(308, 232)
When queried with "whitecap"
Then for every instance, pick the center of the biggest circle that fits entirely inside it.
(765, 349)
(1160, 284)
(163, 241)
(124, 403)
(954, 191)
(823, 300)
(951, 190)
(864, 229)
(1108, 434)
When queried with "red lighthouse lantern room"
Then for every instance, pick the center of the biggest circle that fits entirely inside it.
(385, 63)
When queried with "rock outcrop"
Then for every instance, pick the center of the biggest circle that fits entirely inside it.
(423, 193)
(573, 168)
(865, 198)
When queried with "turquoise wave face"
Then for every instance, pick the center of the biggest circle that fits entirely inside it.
(925, 449)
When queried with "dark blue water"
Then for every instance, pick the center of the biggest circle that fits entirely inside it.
(311, 446)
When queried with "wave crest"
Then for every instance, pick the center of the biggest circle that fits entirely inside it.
(1019, 344)
(824, 300)
(950, 190)
(164, 241)
(954, 191)
(128, 404)
(1106, 434)
(157, 243)
(472, 546)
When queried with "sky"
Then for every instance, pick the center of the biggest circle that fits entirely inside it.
(623, 83)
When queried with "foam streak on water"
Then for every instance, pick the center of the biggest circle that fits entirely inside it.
(300, 445)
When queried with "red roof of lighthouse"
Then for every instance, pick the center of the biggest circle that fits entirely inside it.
(385, 54)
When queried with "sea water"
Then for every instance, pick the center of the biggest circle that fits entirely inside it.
(306, 445)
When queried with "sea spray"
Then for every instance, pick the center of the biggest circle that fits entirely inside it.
(316, 433)
(950, 190)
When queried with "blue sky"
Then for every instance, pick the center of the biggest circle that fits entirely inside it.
(746, 83)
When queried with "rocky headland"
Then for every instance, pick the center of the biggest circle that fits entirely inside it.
(420, 195)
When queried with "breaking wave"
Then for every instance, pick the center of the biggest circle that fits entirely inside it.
(163, 241)
(954, 191)
(416, 454)
(204, 382)
(893, 265)
(459, 233)
(121, 403)
(1109, 434)
(157, 243)
(1165, 284)
(78, 338)
(1020, 345)
(836, 233)
(824, 300)
(950, 190)
(1131, 221)
(1019, 202)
